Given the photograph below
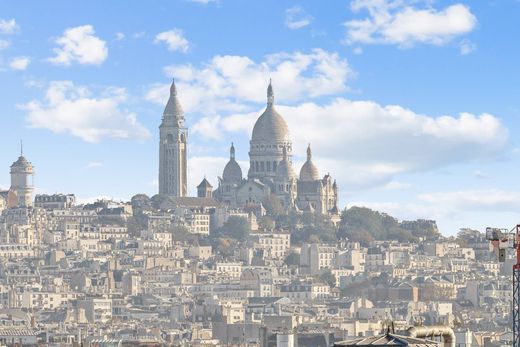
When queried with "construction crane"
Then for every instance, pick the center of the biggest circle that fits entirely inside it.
(502, 240)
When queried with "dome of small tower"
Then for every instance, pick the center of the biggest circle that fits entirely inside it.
(21, 162)
(285, 170)
(232, 171)
(309, 171)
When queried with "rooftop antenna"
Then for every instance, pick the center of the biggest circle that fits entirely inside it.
(21, 148)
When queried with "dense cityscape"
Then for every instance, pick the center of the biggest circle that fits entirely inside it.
(264, 259)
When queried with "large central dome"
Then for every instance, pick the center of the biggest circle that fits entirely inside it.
(270, 126)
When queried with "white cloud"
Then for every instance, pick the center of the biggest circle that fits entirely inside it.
(139, 35)
(466, 47)
(80, 45)
(120, 36)
(363, 142)
(20, 63)
(231, 83)
(211, 167)
(296, 18)
(8, 26)
(94, 164)
(480, 175)
(174, 39)
(395, 185)
(400, 23)
(475, 200)
(369, 144)
(73, 110)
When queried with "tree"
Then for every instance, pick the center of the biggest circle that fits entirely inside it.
(292, 259)
(140, 202)
(158, 200)
(225, 246)
(365, 225)
(266, 223)
(236, 228)
(329, 278)
(314, 227)
(181, 233)
(273, 206)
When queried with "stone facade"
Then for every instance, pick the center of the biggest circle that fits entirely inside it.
(271, 173)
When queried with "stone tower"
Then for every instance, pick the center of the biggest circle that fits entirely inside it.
(173, 149)
(204, 189)
(22, 186)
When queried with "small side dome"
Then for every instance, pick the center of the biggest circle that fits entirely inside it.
(285, 170)
(232, 171)
(309, 171)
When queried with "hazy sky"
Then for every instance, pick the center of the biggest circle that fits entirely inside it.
(412, 105)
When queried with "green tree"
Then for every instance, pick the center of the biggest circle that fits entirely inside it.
(328, 278)
(292, 259)
(181, 233)
(265, 222)
(225, 246)
(140, 202)
(236, 228)
(158, 200)
(273, 206)
(365, 225)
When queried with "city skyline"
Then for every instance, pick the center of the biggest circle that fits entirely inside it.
(322, 70)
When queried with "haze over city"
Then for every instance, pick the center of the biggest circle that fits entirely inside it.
(209, 173)
(414, 121)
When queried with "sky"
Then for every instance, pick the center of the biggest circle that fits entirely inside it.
(412, 105)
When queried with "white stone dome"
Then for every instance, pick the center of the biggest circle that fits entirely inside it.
(309, 171)
(270, 126)
(232, 171)
(285, 169)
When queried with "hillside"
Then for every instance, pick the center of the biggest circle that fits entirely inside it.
(364, 225)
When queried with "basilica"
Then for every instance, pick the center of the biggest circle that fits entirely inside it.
(270, 175)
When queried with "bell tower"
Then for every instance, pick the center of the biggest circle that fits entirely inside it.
(173, 149)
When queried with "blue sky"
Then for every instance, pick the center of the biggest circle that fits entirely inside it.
(412, 105)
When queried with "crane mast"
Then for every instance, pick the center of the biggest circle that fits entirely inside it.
(503, 240)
